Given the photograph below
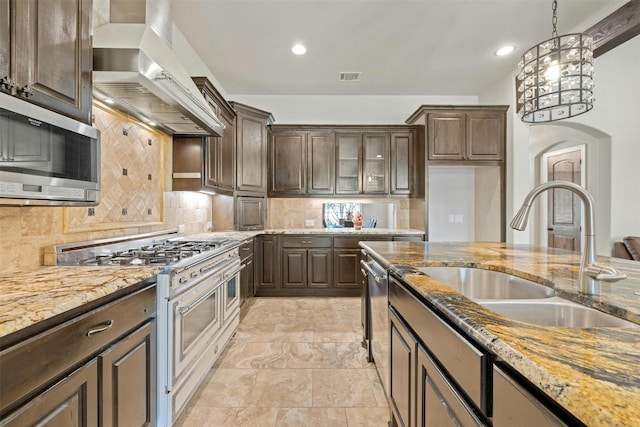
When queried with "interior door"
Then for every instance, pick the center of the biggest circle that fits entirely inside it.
(564, 208)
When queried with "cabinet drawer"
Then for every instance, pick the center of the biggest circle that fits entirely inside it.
(39, 360)
(246, 249)
(306, 242)
(467, 365)
(515, 406)
(440, 400)
(353, 242)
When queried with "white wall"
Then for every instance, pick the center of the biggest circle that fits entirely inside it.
(345, 109)
(614, 120)
(451, 204)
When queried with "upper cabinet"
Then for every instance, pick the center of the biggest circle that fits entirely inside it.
(219, 152)
(375, 163)
(349, 162)
(464, 133)
(251, 148)
(341, 160)
(287, 161)
(401, 171)
(45, 54)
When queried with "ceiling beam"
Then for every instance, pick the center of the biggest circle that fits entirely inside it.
(615, 29)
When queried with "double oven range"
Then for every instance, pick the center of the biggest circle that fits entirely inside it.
(198, 303)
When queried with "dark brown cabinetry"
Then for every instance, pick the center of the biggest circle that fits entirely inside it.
(288, 163)
(127, 378)
(45, 47)
(114, 345)
(320, 163)
(219, 152)
(375, 163)
(251, 148)
(312, 264)
(401, 171)
(306, 262)
(246, 276)
(70, 402)
(207, 163)
(267, 266)
(341, 160)
(188, 163)
(348, 163)
(251, 213)
(402, 360)
(463, 132)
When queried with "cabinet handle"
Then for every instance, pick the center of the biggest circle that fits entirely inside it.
(26, 91)
(101, 328)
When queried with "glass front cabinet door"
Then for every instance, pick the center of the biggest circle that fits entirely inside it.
(375, 178)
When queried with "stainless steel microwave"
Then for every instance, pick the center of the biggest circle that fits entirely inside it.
(46, 158)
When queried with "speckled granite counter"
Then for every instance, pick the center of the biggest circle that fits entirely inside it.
(34, 296)
(593, 373)
(241, 235)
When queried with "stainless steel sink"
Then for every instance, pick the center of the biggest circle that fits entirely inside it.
(477, 284)
(556, 312)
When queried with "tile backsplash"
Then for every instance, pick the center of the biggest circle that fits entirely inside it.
(293, 212)
(143, 192)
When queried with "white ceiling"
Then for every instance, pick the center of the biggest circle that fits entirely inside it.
(418, 47)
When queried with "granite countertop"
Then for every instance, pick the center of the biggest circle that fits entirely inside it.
(39, 294)
(593, 373)
(242, 235)
(33, 296)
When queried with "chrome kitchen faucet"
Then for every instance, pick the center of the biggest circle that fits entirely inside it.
(591, 273)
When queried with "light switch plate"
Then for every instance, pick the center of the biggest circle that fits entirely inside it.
(309, 223)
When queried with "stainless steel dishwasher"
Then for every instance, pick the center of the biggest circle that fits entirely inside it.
(377, 283)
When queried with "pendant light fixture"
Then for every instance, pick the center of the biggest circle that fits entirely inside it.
(556, 77)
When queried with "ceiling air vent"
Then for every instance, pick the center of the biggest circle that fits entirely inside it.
(349, 76)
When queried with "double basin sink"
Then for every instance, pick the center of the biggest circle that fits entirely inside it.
(521, 299)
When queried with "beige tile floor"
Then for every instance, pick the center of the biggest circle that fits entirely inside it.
(293, 362)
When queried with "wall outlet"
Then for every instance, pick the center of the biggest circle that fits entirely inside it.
(451, 218)
(181, 228)
(209, 225)
(309, 223)
(459, 218)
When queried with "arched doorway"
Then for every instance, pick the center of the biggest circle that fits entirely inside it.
(595, 149)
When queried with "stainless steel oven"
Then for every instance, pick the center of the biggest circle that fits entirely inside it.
(378, 291)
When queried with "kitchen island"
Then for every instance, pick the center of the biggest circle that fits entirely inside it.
(589, 372)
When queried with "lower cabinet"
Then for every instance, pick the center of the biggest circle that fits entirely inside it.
(514, 405)
(71, 402)
(247, 289)
(127, 372)
(266, 265)
(402, 359)
(306, 262)
(441, 377)
(312, 264)
(96, 369)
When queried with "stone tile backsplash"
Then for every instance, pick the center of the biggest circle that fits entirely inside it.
(144, 192)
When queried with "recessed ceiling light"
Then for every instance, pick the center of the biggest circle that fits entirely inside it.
(505, 50)
(299, 49)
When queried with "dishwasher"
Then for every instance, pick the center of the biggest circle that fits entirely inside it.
(378, 292)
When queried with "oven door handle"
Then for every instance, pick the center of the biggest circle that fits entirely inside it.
(370, 271)
(235, 270)
(185, 310)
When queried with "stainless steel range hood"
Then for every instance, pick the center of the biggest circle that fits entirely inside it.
(135, 68)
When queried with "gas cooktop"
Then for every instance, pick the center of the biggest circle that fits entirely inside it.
(160, 248)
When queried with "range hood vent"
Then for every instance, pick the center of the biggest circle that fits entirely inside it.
(136, 71)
